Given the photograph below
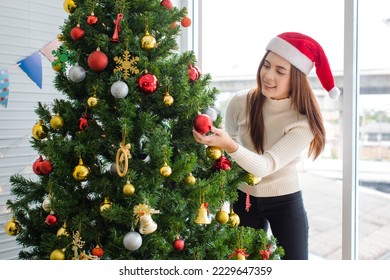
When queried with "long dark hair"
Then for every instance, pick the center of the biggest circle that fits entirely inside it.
(302, 98)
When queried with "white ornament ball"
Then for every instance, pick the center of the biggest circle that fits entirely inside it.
(46, 204)
(132, 240)
(77, 73)
(119, 89)
(211, 113)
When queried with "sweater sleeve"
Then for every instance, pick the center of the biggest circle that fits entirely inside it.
(296, 139)
(231, 116)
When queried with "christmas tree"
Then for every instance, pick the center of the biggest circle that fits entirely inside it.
(119, 175)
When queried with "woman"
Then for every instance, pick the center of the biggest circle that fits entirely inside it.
(266, 131)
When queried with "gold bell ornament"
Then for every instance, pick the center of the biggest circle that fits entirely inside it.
(234, 219)
(39, 130)
(105, 205)
(12, 227)
(143, 214)
(239, 254)
(81, 172)
(214, 152)
(202, 216)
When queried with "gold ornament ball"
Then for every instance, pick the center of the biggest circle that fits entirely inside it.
(250, 179)
(39, 131)
(128, 189)
(70, 6)
(222, 217)
(81, 172)
(13, 227)
(234, 219)
(166, 171)
(190, 179)
(148, 42)
(92, 101)
(105, 205)
(214, 152)
(57, 67)
(240, 257)
(57, 255)
(56, 121)
(167, 99)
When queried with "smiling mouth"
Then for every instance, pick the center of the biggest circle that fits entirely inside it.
(268, 86)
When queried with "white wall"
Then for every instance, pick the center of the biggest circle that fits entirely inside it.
(25, 27)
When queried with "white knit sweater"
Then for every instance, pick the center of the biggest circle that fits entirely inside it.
(287, 136)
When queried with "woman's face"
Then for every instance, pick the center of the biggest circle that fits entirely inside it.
(275, 77)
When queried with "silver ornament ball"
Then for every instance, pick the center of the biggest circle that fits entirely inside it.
(77, 73)
(211, 113)
(119, 89)
(132, 240)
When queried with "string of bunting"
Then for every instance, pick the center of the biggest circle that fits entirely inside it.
(31, 65)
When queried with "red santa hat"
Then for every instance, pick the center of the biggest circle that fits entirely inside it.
(304, 53)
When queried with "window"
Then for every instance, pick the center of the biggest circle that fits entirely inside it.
(231, 46)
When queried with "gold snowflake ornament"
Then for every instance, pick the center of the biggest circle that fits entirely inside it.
(127, 64)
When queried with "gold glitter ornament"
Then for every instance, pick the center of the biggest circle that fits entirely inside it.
(190, 180)
(222, 216)
(167, 99)
(56, 121)
(128, 189)
(214, 152)
(58, 255)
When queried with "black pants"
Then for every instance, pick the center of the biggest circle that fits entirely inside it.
(286, 216)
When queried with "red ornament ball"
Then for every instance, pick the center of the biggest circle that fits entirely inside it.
(185, 21)
(77, 33)
(37, 166)
(167, 4)
(92, 19)
(202, 123)
(97, 61)
(148, 83)
(223, 163)
(51, 220)
(193, 73)
(98, 251)
(178, 244)
(46, 167)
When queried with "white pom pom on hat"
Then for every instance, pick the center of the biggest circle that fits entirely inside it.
(304, 53)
